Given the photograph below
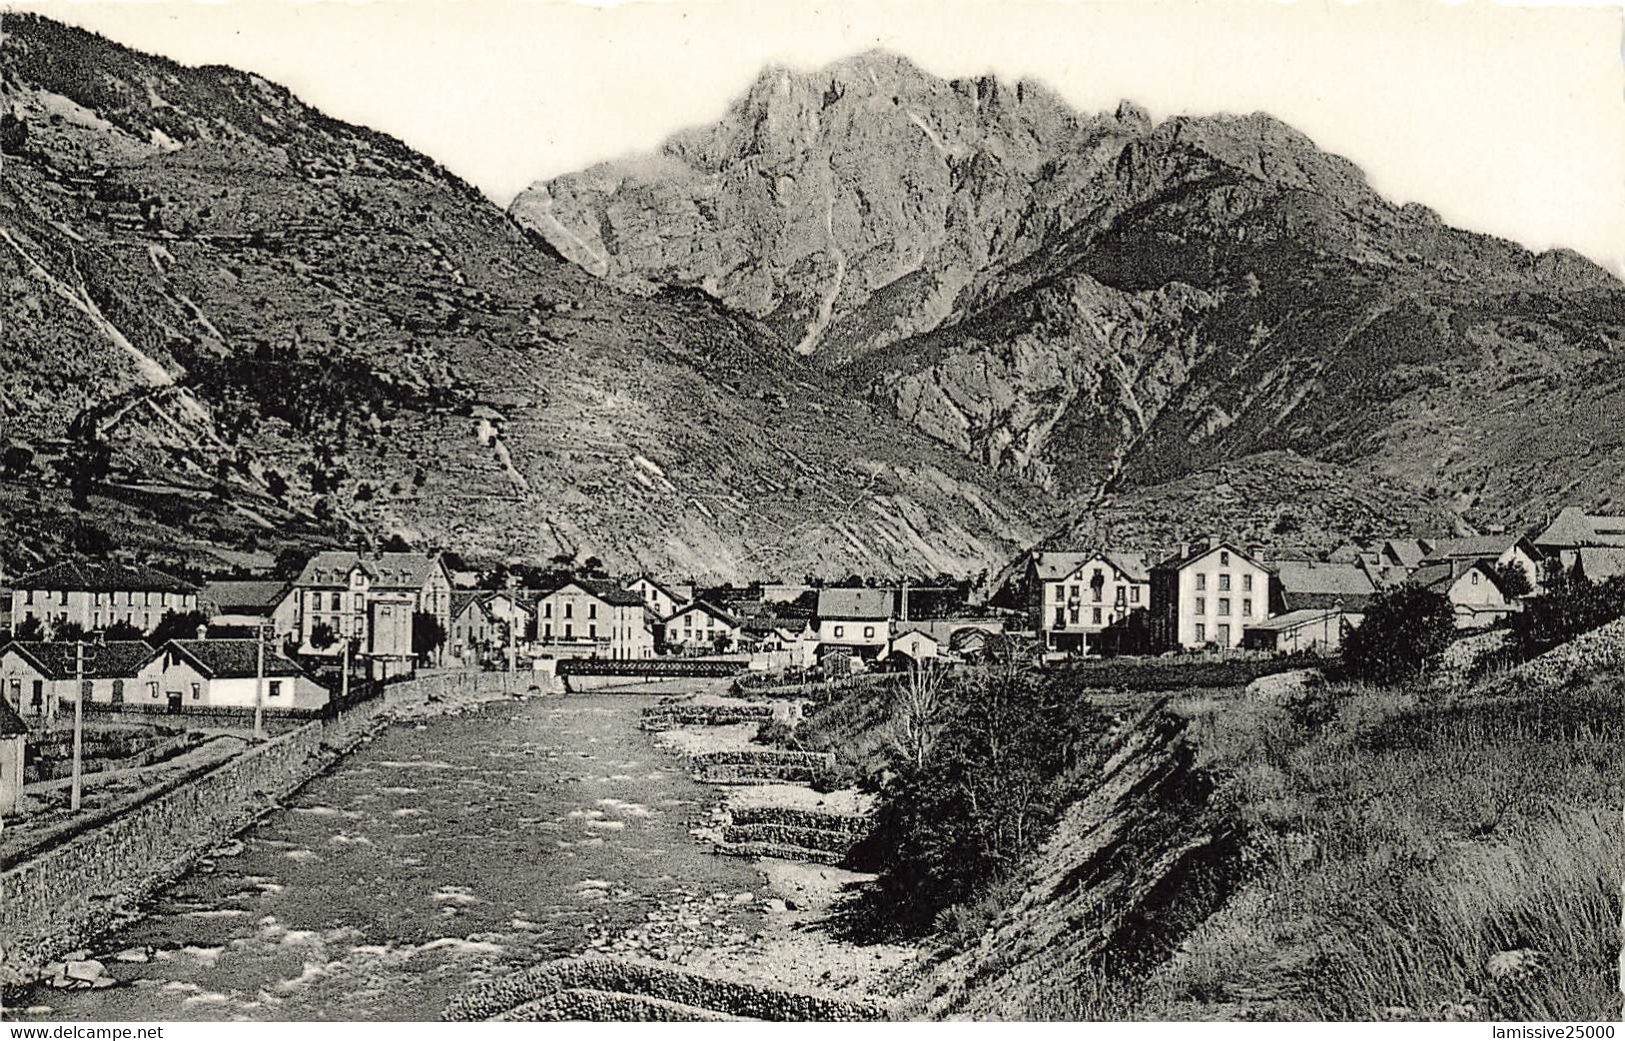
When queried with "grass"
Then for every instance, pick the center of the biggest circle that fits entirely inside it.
(1401, 847)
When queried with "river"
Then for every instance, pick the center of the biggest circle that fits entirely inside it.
(432, 858)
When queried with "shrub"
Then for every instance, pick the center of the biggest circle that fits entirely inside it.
(1570, 605)
(1403, 628)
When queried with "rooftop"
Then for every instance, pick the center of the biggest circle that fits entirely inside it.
(331, 569)
(103, 578)
(244, 596)
(56, 660)
(233, 659)
(1294, 619)
(862, 604)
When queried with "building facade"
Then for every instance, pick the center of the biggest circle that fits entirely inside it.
(370, 601)
(196, 674)
(97, 596)
(1207, 595)
(1075, 599)
(40, 679)
(583, 618)
(698, 628)
(857, 621)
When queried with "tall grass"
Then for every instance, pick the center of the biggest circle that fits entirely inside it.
(1401, 846)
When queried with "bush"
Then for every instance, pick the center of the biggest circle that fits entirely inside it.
(1571, 605)
(1403, 628)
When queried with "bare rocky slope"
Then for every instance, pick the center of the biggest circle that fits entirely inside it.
(251, 323)
(1099, 302)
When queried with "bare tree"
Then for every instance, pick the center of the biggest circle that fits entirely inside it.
(916, 717)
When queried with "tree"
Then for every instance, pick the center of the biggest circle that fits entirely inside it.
(66, 631)
(124, 631)
(16, 461)
(593, 567)
(30, 629)
(290, 561)
(85, 465)
(1512, 578)
(722, 643)
(177, 625)
(1403, 628)
(276, 485)
(397, 543)
(13, 134)
(323, 636)
(428, 635)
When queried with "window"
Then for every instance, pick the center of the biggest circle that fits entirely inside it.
(274, 689)
(1224, 583)
(1224, 605)
(547, 610)
(1097, 616)
(1247, 583)
(1201, 633)
(868, 632)
(152, 690)
(569, 630)
(197, 692)
(1201, 580)
(592, 610)
(1074, 614)
(1134, 594)
(1201, 605)
(592, 631)
(1060, 617)
(1098, 590)
(28, 597)
(39, 693)
(1247, 607)
(17, 693)
(547, 631)
(569, 609)
(1224, 635)
(333, 602)
(1475, 578)
(1059, 591)
(840, 631)
(1224, 558)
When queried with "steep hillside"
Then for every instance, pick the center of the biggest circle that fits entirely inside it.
(1097, 301)
(241, 322)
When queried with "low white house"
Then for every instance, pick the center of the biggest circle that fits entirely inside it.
(1473, 589)
(915, 645)
(855, 620)
(187, 674)
(698, 627)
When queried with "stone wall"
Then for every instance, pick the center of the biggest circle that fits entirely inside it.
(67, 893)
(604, 986)
(675, 714)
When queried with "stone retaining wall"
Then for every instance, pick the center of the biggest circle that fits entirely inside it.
(693, 990)
(665, 717)
(852, 824)
(70, 892)
(838, 842)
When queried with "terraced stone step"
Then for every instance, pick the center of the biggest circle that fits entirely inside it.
(780, 851)
(784, 835)
(853, 824)
(665, 717)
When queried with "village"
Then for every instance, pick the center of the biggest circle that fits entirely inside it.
(116, 647)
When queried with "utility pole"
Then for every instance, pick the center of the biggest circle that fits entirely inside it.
(512, 635)
(78, 719)
(344, 680)
(259, 682)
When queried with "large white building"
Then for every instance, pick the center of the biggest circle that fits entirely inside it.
(588, 619)
(1207, 594)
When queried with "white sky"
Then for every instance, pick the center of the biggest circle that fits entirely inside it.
(1509, 120)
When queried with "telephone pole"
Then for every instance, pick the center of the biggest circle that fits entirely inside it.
(259, 682)
(78, 720)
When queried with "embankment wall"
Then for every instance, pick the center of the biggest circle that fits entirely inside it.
(67, 893)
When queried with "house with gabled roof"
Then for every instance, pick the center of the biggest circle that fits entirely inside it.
(914, 645)
(1076, 599)
(698, 627)
(1300, 585)
(96, 596)
(855, 621)
(247, 604)
(1574, 529)
(371, 601)
(1503, 550)
(41, 678)
(661, 599)
(1474, 590)
(198, 674)
(588, 618)
(1206, 594)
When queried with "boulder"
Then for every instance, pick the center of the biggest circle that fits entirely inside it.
(1281, 687)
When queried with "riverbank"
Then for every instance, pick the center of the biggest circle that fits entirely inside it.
(800, 934)
(82, 878)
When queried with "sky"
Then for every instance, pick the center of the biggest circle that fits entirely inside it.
(1503, 119)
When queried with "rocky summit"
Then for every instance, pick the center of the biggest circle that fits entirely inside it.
(1094, 302)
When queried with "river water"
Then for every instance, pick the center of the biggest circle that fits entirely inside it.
(428, 860)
